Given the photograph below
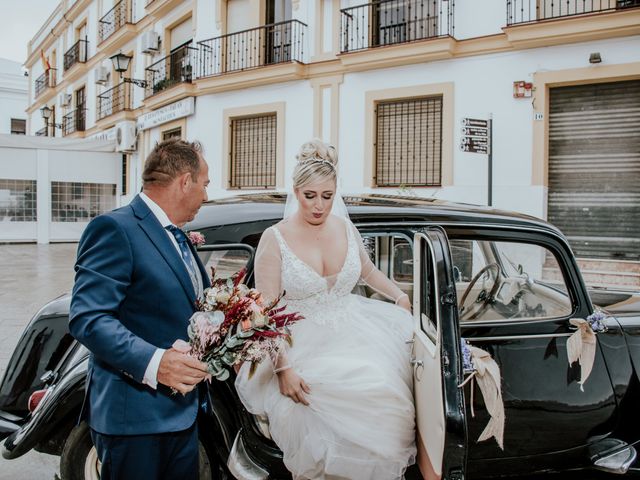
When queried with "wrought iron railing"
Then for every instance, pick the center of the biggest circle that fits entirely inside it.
(280, 42)
(389, 22)
(178, 67)
(525, 11)
(46, 80)
(114, 100)
(114, 20)
(74, 121)
(76, 54)
(43, 132)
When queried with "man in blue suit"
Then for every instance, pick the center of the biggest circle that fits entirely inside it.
(137, 280)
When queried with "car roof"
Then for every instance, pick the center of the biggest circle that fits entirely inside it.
(363, 209)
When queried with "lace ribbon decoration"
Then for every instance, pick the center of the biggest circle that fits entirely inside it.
(581, 348)
(487, 373)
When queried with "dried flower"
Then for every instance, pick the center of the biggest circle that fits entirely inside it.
(467, 362)
(596, 320)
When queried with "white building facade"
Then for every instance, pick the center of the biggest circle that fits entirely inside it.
(390, 83)
(13, 98)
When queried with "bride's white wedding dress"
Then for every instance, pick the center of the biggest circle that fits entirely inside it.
(352, 352)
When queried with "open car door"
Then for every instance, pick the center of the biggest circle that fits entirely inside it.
(436, 358)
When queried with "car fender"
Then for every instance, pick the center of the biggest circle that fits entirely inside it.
(60, 407)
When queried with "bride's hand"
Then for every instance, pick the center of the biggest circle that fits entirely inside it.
(293, 386)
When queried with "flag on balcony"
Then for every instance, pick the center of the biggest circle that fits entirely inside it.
(45, 61)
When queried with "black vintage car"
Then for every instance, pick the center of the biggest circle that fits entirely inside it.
(506, 283)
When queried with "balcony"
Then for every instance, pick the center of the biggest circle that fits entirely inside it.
(114, 20)
(45, 81)
(526, 11)
(43, 132)
(389, 22)
(73, 121)
(178, 67)
(76, 54)
(272, 44)
(114, 100)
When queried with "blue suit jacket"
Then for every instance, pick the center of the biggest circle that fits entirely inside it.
(132, 294)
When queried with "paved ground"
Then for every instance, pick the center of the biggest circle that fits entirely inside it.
(31, 276)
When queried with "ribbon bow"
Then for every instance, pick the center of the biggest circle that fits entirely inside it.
(487, 374)
(581, 348)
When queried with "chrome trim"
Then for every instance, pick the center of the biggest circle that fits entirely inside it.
(409, 224)
(241, 466)
(617, 462)
(517, 337)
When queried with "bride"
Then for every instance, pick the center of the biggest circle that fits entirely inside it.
(340, 401)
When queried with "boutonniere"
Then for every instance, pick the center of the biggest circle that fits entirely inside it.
(196, 238)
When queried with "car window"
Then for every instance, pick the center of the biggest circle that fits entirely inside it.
(225, 261)
(498, 280)
(392, 254)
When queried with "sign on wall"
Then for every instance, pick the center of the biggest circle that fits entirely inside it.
(179, 109)
(475, 136)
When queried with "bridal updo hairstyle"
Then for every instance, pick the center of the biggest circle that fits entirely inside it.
(317, 161)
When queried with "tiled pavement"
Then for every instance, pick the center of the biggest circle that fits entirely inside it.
(30, 276)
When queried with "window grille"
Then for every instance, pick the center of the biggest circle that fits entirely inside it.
(408, 146)
(253, 152)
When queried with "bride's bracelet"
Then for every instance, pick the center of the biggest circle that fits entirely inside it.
(398, 299)
(281, 369)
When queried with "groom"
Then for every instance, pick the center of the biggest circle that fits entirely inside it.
(137, 280)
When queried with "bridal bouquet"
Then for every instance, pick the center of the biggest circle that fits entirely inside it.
(233, 325)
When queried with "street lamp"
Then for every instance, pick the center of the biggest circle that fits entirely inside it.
(120, 63)
(46, 115)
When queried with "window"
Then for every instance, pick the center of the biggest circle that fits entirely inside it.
(392, 254)
(173, 133)
(408, 147)
(225, 262)
(253, 151)
(498, 280)
(80, 202)
(18, 126)
(18, 200)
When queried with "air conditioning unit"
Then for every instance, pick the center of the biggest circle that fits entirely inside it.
(65, 99)
(102, 75)
(126, 136)
(150, 42)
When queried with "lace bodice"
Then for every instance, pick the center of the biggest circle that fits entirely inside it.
(318, 298)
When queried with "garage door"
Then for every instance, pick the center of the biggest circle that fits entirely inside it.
(594, 168)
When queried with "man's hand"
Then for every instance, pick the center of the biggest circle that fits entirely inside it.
(293, 386)
(180, 372)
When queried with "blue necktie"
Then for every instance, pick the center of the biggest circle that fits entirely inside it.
(183, 243)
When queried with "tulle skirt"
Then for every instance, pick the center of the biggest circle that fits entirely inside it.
(360, 423)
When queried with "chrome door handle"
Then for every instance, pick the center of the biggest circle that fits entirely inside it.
(410, 341)
(417, 363)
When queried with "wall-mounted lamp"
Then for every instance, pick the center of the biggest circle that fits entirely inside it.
(46, 114)
(595, 58)
(120, 63)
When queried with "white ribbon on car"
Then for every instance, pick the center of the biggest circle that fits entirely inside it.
(487, 374)
(581, 348)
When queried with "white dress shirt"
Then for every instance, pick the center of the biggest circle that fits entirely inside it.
(151, 373)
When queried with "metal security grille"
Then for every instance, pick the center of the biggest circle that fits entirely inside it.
(253, 152)
(18, 126)
(408, 148)
(594, 168)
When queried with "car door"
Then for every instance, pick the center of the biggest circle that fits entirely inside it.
(524, 323)
(439, 400)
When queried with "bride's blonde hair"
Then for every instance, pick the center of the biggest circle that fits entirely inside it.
(317, 161)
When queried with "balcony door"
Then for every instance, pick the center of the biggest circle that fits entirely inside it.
(399, 21)
(278, 35)
(79, 109)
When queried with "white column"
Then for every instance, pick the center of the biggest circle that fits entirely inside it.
(43, 204)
